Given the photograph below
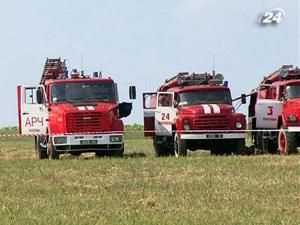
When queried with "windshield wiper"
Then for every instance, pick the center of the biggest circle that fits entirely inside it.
(95, 100)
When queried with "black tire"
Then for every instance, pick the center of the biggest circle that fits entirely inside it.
(259, 145)
(180, 148)
(271, 147)
(160, 149)
(239, 147)
(53, 154)
(287, 142)
(41, 152)
(219, 151)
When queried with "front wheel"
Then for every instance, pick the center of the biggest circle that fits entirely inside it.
(239, 147)
(287, 142)
(41, 147)
(53, 154)
(160, 148)
(180, 148)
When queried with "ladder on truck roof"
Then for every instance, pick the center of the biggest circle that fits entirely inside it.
(53, 69)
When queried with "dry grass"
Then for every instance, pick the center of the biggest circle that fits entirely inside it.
(142, 189)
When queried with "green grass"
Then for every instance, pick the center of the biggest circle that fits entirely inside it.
(142, 189)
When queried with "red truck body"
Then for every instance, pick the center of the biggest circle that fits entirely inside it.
(73, 114)
(198, 115)
(274, 112)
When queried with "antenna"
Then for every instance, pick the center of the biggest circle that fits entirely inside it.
(214, 72)
(81, 59)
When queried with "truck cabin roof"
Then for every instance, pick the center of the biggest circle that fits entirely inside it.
(80, 80)
(197, 88)
(287, 82)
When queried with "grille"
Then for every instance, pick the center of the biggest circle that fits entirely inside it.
(212, 123)
(84, 122)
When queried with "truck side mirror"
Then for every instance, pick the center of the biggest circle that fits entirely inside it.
(132, 92)
(243, 99)
(125, 109)
(39, 96)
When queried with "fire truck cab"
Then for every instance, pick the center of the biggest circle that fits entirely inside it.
(72, 113)
(274, 112)
(193, 111)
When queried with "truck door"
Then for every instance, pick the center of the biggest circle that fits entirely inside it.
(164, 114)
(149, 106)
(33, 116)
(268, 107)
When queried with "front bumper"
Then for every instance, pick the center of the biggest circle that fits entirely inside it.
(89, 142)
(294, 129)
(213, 136)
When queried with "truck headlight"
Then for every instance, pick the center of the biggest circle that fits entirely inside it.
(238, 125)
(116, 138)
(60, 140)
(292, 118)
(186, 125)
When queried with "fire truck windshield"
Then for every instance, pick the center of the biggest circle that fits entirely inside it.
(82, 92)
(205, 97)
(293, 91)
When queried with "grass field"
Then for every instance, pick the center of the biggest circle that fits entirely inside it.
(142, 189)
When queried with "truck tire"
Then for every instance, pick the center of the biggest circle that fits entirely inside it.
(239, 147)
(160, 149)
(53, 154)
(271, 147)
(41, 152)
(287, 142)
(180, 148)
(218, 151)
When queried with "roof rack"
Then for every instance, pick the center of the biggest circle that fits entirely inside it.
(54, 69)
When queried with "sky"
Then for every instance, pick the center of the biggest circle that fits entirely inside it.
(142, 43)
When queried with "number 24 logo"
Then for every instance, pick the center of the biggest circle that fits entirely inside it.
(165, 116)
(272, 16)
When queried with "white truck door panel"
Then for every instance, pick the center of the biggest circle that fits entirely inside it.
(33, 116)
(165, 114)
(149, 106)
(267, 113)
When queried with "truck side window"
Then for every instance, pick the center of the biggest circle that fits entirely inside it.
(273, 93)
(150, 101)
(30, 96)
(165, 100)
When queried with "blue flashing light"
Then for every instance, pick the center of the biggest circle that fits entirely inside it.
(95, 74)
(65, 76)
(225, 84)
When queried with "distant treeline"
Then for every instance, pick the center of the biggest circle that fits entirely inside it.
(14, 129)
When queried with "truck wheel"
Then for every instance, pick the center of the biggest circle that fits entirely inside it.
(41, 152)
(271, 147)
(53, 154)
(239, 148)
(287, 142)
(180, 148)
(218, 151)
(160, 149)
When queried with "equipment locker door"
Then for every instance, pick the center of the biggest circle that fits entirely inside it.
(149, 106)
(33, 117)
(164, 113)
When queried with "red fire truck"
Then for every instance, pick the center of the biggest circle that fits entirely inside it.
(194, 111)
(72, 113)
(274, 111)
